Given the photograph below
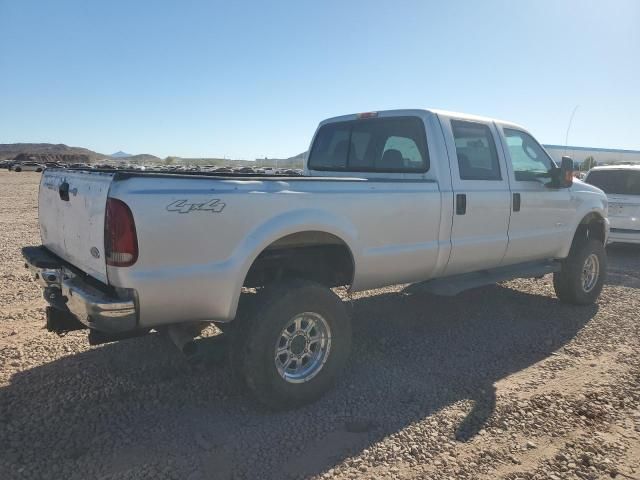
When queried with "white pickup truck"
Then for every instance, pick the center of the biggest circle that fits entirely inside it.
(442, 200)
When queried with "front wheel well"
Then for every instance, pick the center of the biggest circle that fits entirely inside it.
(313, 255)
(592, 226)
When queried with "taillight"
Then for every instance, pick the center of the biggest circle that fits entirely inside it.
(120, 239)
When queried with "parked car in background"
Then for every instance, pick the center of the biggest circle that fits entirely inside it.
(28, 167)
(621, 183)
(54, 165)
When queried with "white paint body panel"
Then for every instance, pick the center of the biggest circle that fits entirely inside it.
(194, 264)
(399, 228)
(484, 226)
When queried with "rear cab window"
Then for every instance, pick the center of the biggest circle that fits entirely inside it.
(616, 182)
(476, 151)
(391, 144)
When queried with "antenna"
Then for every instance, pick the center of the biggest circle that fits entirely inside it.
(566, 137)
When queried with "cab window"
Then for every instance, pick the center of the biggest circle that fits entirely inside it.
(394, 144)
(476, 151)
(528, 158)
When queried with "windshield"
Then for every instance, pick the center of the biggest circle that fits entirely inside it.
(621, 182)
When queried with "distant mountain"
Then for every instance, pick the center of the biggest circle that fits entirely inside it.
(9, 151)
(120, 154)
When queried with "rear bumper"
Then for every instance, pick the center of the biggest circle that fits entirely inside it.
(96, 305)
(620, 235)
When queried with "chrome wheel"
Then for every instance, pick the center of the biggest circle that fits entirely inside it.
(590, 272)
(303, 347)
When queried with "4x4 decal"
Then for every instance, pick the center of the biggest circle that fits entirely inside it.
(185, 206)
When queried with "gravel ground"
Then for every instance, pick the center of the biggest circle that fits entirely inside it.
(499, 382)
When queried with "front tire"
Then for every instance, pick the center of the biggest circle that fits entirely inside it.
(17, 169)
(583, 273)
(291, 343)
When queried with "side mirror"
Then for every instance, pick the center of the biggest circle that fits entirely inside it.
(566, 171)
(562, 177)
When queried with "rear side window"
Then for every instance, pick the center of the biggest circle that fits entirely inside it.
(396, 144)
(476, 151)
(621, 182)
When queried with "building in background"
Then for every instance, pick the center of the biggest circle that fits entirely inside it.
(600, 155)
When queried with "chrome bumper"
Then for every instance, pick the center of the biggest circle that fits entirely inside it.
(65, 289)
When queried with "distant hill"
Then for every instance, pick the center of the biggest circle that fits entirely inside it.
(45, 152)
(292, 162)
(142, 158)
(9, 151)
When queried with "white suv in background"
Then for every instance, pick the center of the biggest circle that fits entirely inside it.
(621, 183)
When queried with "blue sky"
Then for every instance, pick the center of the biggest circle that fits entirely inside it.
(253, 79)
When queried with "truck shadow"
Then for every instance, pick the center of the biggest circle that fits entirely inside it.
(137, 408)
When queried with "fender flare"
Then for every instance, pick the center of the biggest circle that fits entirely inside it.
(585, 219)
(288, 223)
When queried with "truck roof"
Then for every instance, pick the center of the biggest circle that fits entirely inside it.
(420, 112)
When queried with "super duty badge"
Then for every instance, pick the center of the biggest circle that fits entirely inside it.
(185, 206)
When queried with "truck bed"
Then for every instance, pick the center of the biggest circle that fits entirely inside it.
(199, 232)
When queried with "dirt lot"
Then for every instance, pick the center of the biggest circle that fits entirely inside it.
(499, 382)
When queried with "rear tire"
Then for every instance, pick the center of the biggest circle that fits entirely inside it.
(583, 273)
(290, 343)
(17, 169)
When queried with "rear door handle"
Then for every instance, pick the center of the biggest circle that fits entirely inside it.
(516, 202)
(461, 204)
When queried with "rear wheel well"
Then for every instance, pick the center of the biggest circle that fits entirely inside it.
(312, 255)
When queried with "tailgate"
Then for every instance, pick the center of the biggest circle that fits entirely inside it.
(71, 210)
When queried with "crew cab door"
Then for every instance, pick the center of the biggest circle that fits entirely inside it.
(480, 194)
(541, 218)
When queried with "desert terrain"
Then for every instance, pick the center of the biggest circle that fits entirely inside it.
(501, 382)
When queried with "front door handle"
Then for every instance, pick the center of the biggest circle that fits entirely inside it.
(461, 204)
(516, 202)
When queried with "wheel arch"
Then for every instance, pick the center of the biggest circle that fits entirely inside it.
(591, 225)
(315, 255)
(305, 228)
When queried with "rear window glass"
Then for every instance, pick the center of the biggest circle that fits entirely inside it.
(396, 144)
(621, 182)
